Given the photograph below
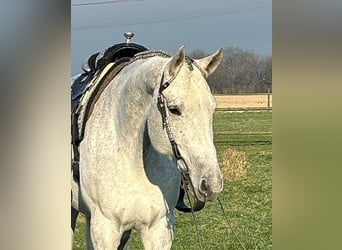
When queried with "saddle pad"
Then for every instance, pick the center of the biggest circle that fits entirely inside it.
(84, 101)
(79, 86)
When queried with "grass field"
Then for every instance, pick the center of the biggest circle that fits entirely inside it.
(246, 140)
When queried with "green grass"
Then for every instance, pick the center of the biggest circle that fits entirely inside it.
(247, 200)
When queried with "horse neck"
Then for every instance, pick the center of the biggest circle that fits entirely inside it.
(133, 103)
(161, 169)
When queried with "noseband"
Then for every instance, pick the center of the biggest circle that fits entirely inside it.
(162, 106)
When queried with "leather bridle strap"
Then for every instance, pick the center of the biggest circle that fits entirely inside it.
(162, 106)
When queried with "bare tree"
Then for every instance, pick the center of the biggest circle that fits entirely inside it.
(241, 71)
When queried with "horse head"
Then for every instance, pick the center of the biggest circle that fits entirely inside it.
(189, 107)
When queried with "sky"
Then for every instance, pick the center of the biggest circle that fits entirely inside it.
(167, 25)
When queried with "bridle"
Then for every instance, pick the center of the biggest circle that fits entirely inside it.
(162, 106)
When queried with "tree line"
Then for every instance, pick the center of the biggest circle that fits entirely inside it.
(241, 71)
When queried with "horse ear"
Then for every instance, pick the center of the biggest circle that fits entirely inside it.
(210, 63)
(176, 62)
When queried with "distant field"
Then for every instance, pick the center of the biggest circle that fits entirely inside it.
(246, 138)
(242, 101)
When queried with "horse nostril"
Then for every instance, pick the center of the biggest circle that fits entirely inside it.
(204, 187)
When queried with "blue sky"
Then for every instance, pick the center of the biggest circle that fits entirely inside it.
(167, 25)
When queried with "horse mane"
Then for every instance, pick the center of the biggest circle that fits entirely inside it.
(152, 53)
(148, 54)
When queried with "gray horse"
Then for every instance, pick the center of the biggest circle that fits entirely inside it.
(130, 173)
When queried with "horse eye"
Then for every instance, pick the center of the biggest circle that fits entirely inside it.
(174, 110)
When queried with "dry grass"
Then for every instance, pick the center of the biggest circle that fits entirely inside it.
(242, 101)
(234, 164)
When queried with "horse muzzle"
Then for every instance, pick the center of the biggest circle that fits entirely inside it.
(210, 191)
(203, 193)
(205, 190)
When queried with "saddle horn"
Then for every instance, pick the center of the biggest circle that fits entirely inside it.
(129, 36)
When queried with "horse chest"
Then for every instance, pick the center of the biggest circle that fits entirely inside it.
(138, 211)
